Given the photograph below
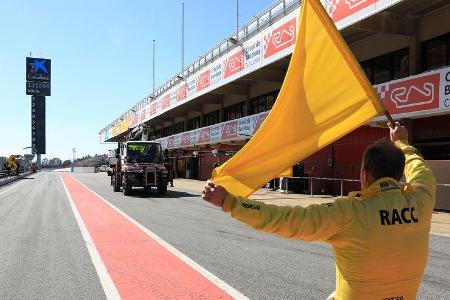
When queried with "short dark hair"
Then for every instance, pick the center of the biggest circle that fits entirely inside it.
(384, 159)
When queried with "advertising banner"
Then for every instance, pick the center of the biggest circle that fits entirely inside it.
(235, 130)
(165, 101)
(38, 76)
(233, 64)
(340, 9)
(229, 130)
(280, 38)
(204, 136)
(203, 80)
(181, 92)
(271, 44)
(422, 94)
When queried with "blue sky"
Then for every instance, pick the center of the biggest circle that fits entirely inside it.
(101, 55)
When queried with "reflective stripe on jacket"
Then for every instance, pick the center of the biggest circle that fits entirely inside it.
(379, 235)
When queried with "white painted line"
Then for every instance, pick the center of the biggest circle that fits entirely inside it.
(13, 187)
(208, 275)
(440, 234)
(105, 279)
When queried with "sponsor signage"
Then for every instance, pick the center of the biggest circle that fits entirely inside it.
(153, 108)
(38, 124)
(229, 130)
(423, 94)
(170, 142)
(271, 44)
(38, 76)
(280, 38)
(233, 64)
(257, 120)
(181, 92)
(238, 129)
(203, 80)
(340, 9)
(420, 95)
(204, 136)
(166, 101)
(186, 139)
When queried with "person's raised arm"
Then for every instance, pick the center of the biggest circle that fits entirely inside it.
(417, 172)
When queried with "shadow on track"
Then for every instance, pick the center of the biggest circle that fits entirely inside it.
(140, 193)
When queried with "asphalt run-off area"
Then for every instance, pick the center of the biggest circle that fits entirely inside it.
(69, 236)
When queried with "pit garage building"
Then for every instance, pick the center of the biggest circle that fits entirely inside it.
(206, 113)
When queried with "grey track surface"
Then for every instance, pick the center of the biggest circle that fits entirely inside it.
(42, 252)
(261, 266)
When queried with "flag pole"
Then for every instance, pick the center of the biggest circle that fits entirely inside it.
(389, 117)
(386, 112)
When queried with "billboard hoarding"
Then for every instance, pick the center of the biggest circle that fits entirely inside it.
(38, 76)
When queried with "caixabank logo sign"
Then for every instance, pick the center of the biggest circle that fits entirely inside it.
(38, 76)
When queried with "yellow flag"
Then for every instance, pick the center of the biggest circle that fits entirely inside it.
(324, 96)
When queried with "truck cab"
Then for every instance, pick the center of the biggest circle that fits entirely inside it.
(138, 164)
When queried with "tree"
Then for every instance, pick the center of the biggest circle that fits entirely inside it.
(66, 163)
(55, 161)
(45, 161)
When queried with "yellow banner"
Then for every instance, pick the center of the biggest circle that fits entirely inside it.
(324, 96)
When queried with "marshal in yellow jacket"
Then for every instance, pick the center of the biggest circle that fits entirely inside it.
(380, 228)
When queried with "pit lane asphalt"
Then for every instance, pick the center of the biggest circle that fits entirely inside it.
(261, 266)
(42, 252)
(43, 255)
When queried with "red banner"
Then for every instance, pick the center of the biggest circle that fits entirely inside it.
(204, 136)
(170, 142)
(280, 38)
(411, 95)
(203, 80)
(182, 92)
(340, 9)
(165, 101)
(229, 130)
(152, 108)
(233, 64)
(186, 139)
(142, 116)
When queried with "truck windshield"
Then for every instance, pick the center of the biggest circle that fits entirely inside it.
(143, 153)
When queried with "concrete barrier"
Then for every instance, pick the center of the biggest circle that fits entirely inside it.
(441, 172)
(13, 178)
(85, 170)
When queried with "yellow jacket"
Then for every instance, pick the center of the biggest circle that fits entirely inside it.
(379, 235)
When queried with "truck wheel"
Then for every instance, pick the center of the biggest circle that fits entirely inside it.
(126, 187)
(115, 184)
(162, 188)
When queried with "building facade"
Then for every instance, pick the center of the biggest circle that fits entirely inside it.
(209, 111)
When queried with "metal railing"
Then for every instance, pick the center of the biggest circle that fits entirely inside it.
(264, 19)
(285, 186)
